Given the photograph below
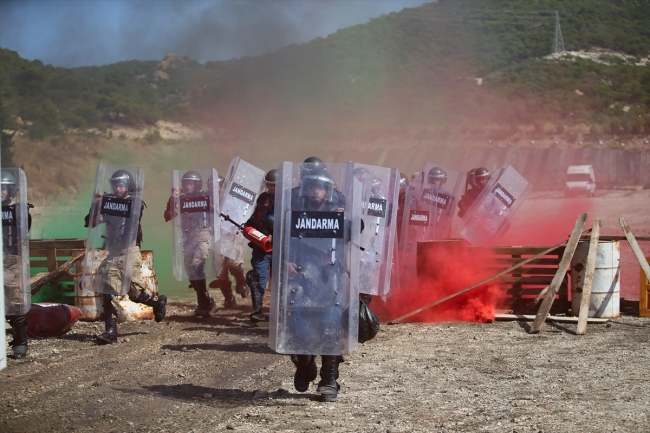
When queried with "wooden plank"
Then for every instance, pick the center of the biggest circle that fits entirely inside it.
(623, 238)
(530, 317)
(523, 271)
(67, 252)
(544, 262)
(58, 243)
(494, 277)
(51, 259)
(561, 273)
(528, 292)
(537, 281)
(45, 263)
(524, 250)
(589, 279)
(635, 247)
(37, 252)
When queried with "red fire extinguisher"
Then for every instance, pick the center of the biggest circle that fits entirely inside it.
(258, 238)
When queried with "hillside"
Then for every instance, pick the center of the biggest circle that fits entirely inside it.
(451, 73)
(398, 66)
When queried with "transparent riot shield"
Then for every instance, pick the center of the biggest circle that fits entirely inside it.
(243, 184)
(490, 214)
(15, 238)
(429, 209)
(194, 209)
(112, 246)
(314, 299)
(379, 215)
(3, 343)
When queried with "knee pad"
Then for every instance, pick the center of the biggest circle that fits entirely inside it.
(252, 278)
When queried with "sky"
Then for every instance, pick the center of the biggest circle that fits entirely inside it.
(73, 33)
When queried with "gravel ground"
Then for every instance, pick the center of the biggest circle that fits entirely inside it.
(187, 375)
(191, 375)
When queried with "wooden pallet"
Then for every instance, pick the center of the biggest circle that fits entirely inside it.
(524, 284)
(46, 255)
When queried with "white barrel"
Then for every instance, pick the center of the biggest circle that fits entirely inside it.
(606, 289)
(91, 303)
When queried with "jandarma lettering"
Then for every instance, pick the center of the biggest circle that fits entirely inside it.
(419, 217)
(7, 216)
(503, 195)
(375, 206)
(437, 198)
(243, 193)
(195, 204)
(318, 223)
(122, 207)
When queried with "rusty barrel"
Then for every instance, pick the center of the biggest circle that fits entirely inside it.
(606, 289)
(432, 255)
(90, 303)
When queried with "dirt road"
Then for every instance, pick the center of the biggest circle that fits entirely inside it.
(191, 375)
(187, 375)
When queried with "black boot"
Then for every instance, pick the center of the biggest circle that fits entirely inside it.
(230, 302)
(328, 387)
(257, 296)
(306, 371)
(226, 290)
(109, 336)
(206, 306)
(19, 343)
(158, 303)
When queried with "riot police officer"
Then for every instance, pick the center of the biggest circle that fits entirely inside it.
(15, 283)
(316, 194)
(229, 266)
(118, 244)
(261, 220)
(478, 178)
(196, 240)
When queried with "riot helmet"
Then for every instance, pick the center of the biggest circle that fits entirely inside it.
(271, 177)
(362, 174)
(403, 182)
(220, 182)
(437, 174)
(481, 177)
(470, 178)
(122, 177)
(314, 160)
(311, 163)
(376, 185)
(269, 180)
(192, 178)
(314, 181)
(8, 184)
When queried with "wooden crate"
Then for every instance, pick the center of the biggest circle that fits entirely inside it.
(525, 283)
(45, 255)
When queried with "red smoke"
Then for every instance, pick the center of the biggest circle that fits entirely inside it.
(445, 268)
(548, 222)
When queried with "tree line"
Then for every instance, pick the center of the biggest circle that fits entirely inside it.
(415, 72)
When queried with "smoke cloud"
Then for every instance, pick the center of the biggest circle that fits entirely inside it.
(74, 33)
